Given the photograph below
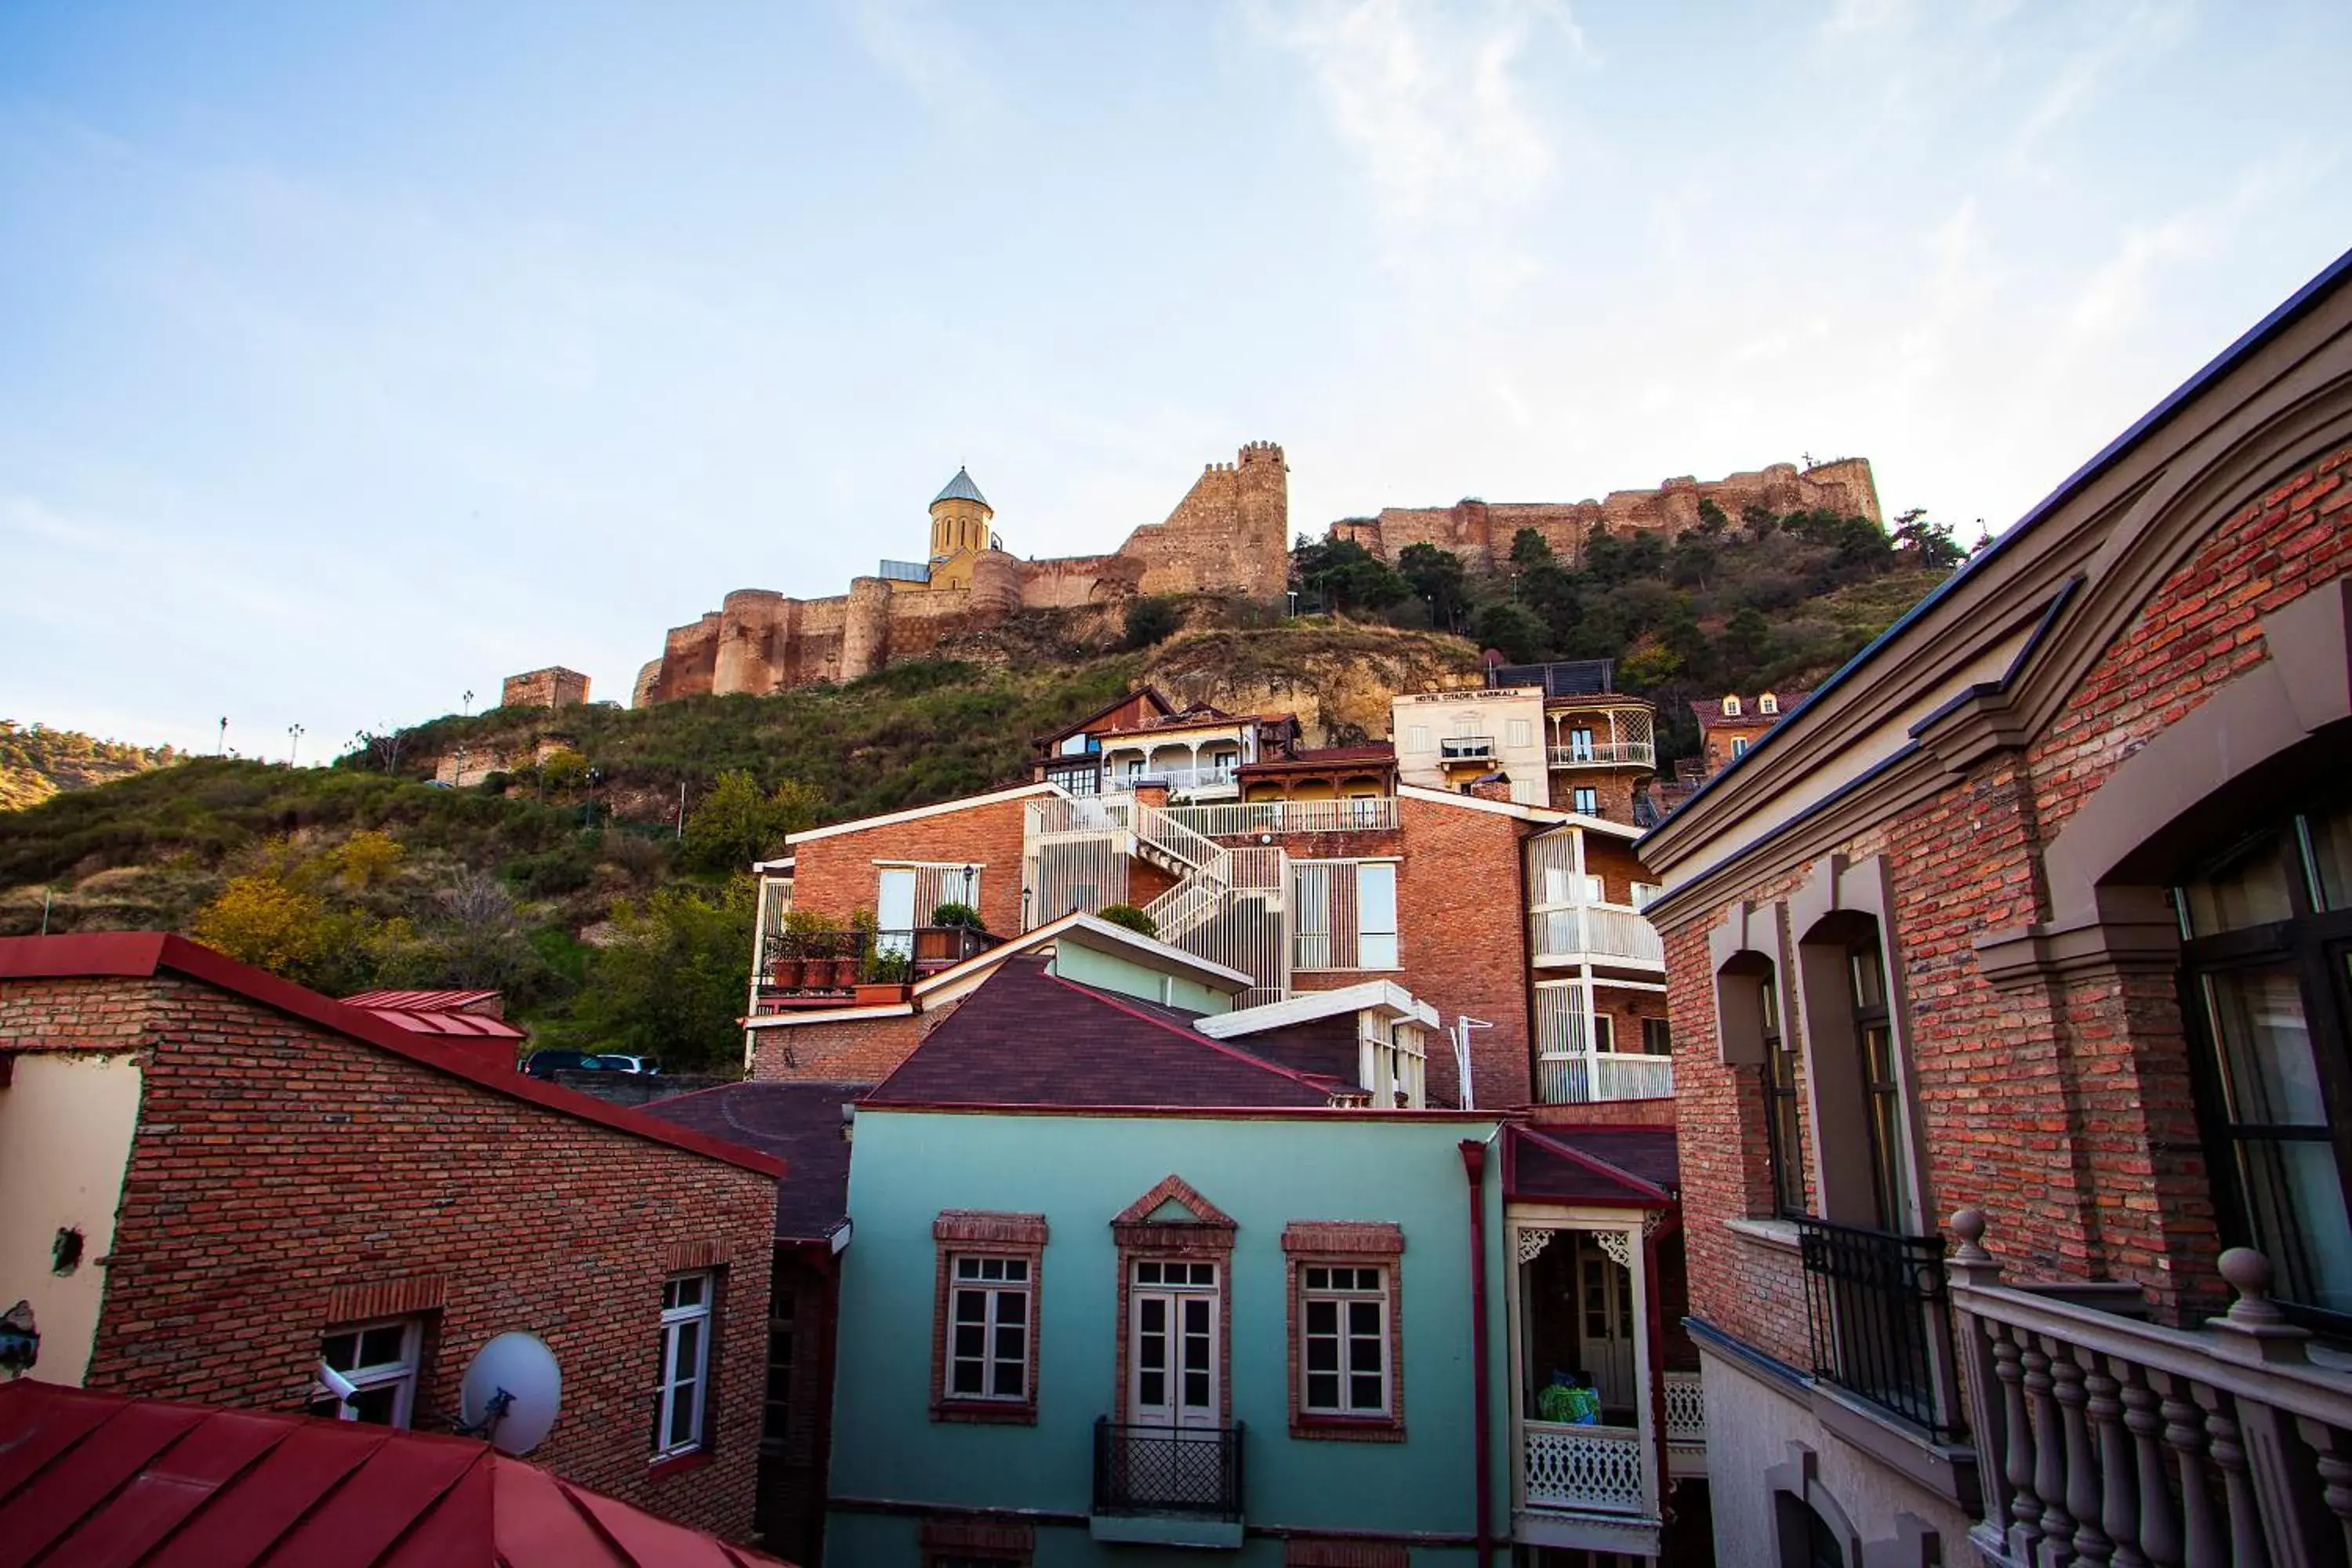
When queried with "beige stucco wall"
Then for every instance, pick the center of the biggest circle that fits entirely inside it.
(65, 1125)
(1755, 1428)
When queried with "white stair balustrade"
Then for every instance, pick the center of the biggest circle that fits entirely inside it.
(1685, 1426)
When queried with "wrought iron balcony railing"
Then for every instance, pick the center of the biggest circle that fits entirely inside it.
(1194, 1470)
(1876, 1305)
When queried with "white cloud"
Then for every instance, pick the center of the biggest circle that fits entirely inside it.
(2115, 36)
(1430, 101)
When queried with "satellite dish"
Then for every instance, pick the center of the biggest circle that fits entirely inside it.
(511, 1391)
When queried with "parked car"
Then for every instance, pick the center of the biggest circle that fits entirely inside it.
(646, 1065)
(547, 1064)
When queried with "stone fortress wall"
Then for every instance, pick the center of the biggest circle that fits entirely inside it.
(1481, 531)
(1229, 534)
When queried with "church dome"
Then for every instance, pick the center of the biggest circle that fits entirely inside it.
(961, 488)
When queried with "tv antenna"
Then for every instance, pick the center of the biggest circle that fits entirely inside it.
(510, 1395)
(1463, 1023)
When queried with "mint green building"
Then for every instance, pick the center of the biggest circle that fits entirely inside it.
(1123, 1291)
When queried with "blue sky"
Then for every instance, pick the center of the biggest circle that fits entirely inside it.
(353, 356)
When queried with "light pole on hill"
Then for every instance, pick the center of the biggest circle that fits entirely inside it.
(293, 742)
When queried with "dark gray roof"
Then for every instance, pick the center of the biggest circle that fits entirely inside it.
(798, 1121)
(961, 488)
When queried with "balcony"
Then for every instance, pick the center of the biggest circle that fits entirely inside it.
(1587, 1078)
(1186, 778)
(1170, 1486)
(827, 969)
(1606, 754)
(2100, 1438)
(1685, 1426)
(1584, 1469)
(1456, 750)
(1594, 933)
(1361, 813)
(1876, 1307)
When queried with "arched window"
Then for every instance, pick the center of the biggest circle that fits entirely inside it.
(1731, 707)
(1767, 704)
(1863, 1144)
(2266, 963)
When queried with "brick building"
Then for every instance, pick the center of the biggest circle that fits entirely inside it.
(212, 1179)
(2007, 979)
(1520, 917)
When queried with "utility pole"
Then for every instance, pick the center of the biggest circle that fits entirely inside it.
(469, 703)
(681, 809)
(222, 749)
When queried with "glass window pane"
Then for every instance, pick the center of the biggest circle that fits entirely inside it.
(1375, 951)
(689, 1346)
(2331, 858)
(1869, 978)
(682, 1415)
(1376, 908)
(2296, 1196)
(381, 1346)
(967, 1267)
(1322, 1317)
(1364, 1391)
(1363, 1317)
(2250, 892)
(965, 1378)
(2270, 1076)
(1010, 1345)
(1316, 1278)
(969, 1340)
(341, 1352)
(1012, 1307)
(1151, 1389)
(1322, 1354)
(378, 1403)
(1017, 1269)
(1009, 1374)
(1196, 1390)
(1323, 1391)
(971, 1306)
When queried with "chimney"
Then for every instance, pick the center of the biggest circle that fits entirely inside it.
(1153, 795)
(1493, 786)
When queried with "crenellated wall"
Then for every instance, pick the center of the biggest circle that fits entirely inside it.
(1481, 531)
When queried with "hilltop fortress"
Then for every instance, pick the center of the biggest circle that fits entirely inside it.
(1230, 534)
(1481, 532)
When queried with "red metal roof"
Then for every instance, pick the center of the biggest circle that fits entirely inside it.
(142, 955)
(419, 1001)
(93, 1478)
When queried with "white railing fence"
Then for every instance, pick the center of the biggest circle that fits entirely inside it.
(1363, 814)
(2102, 1439)
(1593, 1077)
(1685, 1426)
(1598, 930)
(1605, 753)
(1595, 1468)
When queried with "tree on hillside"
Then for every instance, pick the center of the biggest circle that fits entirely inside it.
(1511, 630)
(735, 824)
(1437, 576)
(1151, 619)
(671, 985)
(261, 920)
(1931, 541)
(1343, 577)
(1531, 549)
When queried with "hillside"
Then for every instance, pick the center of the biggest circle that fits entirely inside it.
(37, 762)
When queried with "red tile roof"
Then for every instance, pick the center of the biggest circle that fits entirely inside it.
(145, 954)
(1026, 1038)
(96, 1478)
(419, 1001)
(1626, 1167)
(801, 1123)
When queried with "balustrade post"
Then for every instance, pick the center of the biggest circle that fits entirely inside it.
(2247, 1547)
(2184, 1433)
(2049, 1459)
(2286, 1489)
(2024, 1532)
(2335, 1474)
(1984, 1373)
(2118, 1515)
(2082, 1476)
(2160, 1527)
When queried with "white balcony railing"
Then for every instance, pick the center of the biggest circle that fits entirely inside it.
(1466, 748)
(1588, 1078)
(1366, 814)
(2100, 1438)
(1205, 776)
(1685, 1426)
(1606, 754)
(1592, 1470)
(1580, 932)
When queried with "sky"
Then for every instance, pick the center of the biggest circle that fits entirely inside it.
(355, 356)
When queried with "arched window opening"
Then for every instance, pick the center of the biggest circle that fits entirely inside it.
(2266, 988)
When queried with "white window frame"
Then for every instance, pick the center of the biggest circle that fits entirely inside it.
(1585, 800)
(993, 1293)
(1342, 1299)
(398, 1375)
(1739, 745)
(1377, 947)
(1768, 705)
(693, 1384)
(1394, 1062)
(1644, 892)
(1731, 707)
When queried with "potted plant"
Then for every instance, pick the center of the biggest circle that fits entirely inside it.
(945, 940)
(1130, 917)
(886, 977)
(796, 940)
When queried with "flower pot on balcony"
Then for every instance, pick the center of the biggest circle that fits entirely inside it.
(840, 973)
(790, 974)
(880, 992)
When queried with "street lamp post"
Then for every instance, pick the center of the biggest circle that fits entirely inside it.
(293, 742)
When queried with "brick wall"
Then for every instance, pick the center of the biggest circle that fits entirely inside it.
(284, 1178)
(854, 1050)
(2064, 1112)
(554, 687)
(1461, 906)
(836, 874)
